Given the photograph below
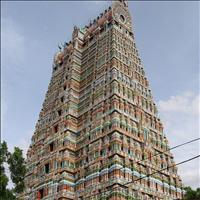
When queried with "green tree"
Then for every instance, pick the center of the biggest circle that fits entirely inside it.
(191, 194)
(4, 192)
(17, 169)
(3, 152)
(3, 177)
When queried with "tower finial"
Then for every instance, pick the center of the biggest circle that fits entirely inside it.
(123, 2)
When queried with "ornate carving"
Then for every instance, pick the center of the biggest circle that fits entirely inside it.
(121, 14)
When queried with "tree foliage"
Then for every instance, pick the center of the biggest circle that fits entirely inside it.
(3, 152)
(3, 177)
(192, 194)
(17, 169)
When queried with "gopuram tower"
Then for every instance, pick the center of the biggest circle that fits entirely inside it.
(98, 136)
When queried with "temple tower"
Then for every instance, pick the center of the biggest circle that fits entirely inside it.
(98, 130)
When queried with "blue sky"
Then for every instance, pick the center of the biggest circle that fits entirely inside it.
(167, 36)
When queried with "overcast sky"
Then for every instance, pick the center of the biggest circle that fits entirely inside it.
(167, 36)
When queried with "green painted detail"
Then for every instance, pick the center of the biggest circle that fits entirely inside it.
(96, 129)
(146, 132)
(83, 30)
(108, 122)
(115, 120)
(123, 123)
(135, 129)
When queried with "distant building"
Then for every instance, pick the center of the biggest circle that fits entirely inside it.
(98, 130)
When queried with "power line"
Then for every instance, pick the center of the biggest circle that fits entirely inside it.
(185, 143)
(157, 171)
(177, 146)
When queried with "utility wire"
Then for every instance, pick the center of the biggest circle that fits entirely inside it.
(183, 144)
(157, 171)
(157, 153)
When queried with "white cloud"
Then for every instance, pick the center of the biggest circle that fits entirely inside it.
(180, 115)
(13, 54)
(7, 172)
(12, 43)
(186, 103)
(4, 110)
(23, 143)
(190, 173)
